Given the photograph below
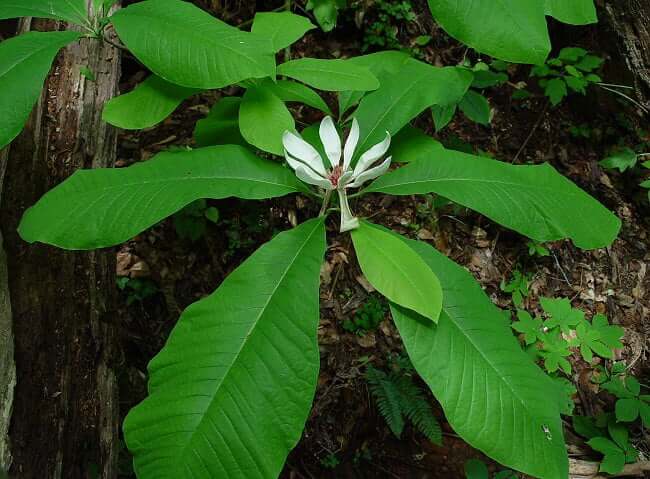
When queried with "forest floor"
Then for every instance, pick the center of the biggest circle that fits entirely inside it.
(345, 434)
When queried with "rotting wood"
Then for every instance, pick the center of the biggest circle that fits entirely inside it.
(629, 21)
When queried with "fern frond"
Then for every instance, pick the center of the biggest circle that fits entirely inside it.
(387, 396)
(417, 409)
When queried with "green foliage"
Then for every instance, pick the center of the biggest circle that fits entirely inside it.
(621, 160)
(382, 33)
(572, 70)
(88, 210)
(385, 109)
(25, 61)
(475, 469)
(263, 118)
(530, 327)
(399, 398)
(536, 201)
(192, 221)
(281, 28)
(326, 12)
(517, 286)
(478, 365)
(630, 404)
(230, 391)
(73, 11)
(536, 248)
(368, 317)
(289, 91)
(330, 75)
(330, 461)
(148, 104)
(598, 337)
(561, 315)
(396, 271)
(476, 107)
(608, 437)
(136, 289)
(199, 52)
(212, 381)
(221, 126)
(566, 328)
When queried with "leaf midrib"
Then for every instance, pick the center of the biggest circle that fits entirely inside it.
(122, 186)
(470, 180)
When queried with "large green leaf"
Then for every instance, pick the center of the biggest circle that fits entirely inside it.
(25, 61)
(512, 30)
(330, 75)
(493, 395)
(396, 271)
(233, 386)
(73, 11)
(104, 207)
(263, 118)
(536, 201)
(575, 12)
(411, 144)
(148, 104)
(281, 28)
(290, 91)
(221, 126)
(186, 46)
(404, 95)
(380, 64)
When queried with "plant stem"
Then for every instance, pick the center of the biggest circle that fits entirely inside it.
(287, 51)
(326, 202)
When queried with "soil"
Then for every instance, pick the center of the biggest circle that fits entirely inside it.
(344, 423)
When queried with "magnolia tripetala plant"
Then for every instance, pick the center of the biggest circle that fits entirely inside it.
(231, 390)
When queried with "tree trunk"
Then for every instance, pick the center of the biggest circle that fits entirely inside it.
(630, 21)
(7, 365)
(65, 416)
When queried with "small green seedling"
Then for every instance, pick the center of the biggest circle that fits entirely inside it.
(192, 221)
(630, 404)
(572, 70)
(475, 469)
(537, 249)
(517, 286)
(368, 316)
(608, 437)
(137, 289)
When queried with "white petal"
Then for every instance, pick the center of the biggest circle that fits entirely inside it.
(348, 221)
(308, 176)
(345, 179)
(372, 155)
(371, 174)
(302, 151)
(331, 140)
(351, 144)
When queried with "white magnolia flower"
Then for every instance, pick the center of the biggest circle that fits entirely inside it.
(310, 167)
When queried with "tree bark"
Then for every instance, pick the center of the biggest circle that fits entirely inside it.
(65, 416)
(7, 365)
(630, 21)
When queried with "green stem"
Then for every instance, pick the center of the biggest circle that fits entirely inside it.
(287, 51)
(326, 202)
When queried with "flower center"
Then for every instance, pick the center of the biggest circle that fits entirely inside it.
(335, 176)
